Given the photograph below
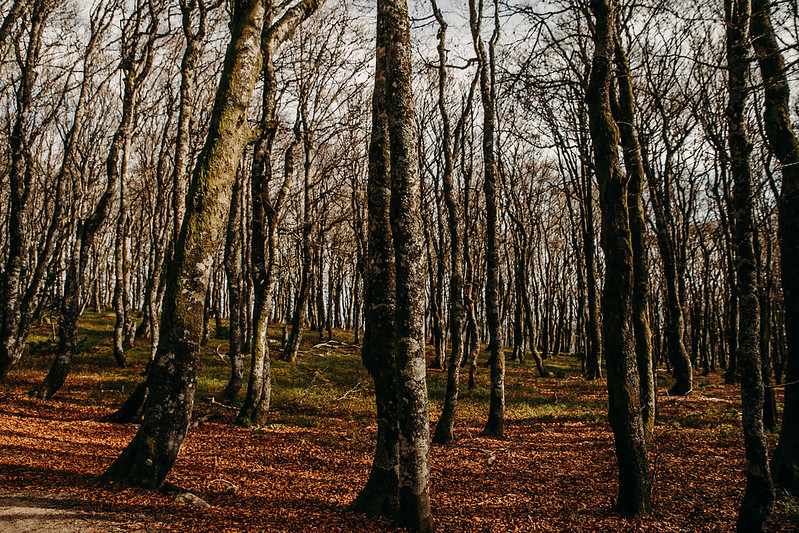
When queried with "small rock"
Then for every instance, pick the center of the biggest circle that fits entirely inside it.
(191, 499)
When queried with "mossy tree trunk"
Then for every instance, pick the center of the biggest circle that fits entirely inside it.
(625, 118)
(634, 496)
(758, 499)
(407, 235)
(784, 142)
(380, 495)
(394, 344)
(149, 456)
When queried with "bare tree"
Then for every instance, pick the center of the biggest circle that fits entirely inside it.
(635, 487)
(784, 143)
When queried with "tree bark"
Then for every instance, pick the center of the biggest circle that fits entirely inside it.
(12, 322)
(444, 428)
(495, 425)
(634, 496)
(266, 212)
(233, 268)
(631, 148)
(758, 500)
(147, 459)
(784, 142)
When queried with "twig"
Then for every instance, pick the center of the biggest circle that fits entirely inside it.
(213, 401)
(357, 387)
(781, 385)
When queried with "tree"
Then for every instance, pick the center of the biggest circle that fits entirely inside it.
(634, 496)
(267, 208)
(151, 453)
(758, 499)
(784, 143)
(624, 114)
(451, 151)
(485, 62)
(399, 480)
(15, 313)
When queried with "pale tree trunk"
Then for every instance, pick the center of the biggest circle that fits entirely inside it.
(634, 496)
(784, 142)
(396, 359)
(265, 213)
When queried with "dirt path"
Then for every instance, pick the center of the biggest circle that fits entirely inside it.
(41, 512)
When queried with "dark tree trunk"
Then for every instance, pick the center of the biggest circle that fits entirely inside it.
(758, 500)
(444, 428)
(233, 268)
(635, 176)
(634, 496)
(784, 142)
(380, 495)
(495, 425)
(13, 327)
(593, 355)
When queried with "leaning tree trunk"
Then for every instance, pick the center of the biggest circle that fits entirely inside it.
(148, 458)
(784, 142)
(634, 496)
(758, 500)
(298, 317)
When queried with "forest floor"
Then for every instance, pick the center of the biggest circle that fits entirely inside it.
(554, 471)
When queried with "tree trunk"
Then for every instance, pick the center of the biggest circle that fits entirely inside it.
(758, 500)
(233, 267)
(634, 496)
(265, 213)
(635, 175)
(12, 323)
(380, 495)
(444, 428)
(495, 425)
(784, 142)
(148, 458)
